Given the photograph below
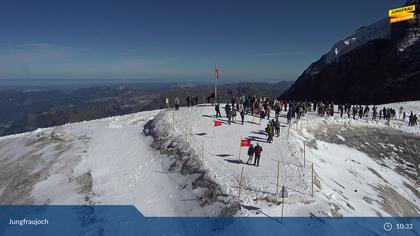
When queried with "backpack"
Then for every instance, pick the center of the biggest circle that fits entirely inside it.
(250, 150)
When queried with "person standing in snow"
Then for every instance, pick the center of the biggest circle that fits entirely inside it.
(217, 108)
(228, 113)
(341, 110)
(354, 112)
(250, 153)
(270, 131)
(360, 112)
(241, 112)
(277, 127)
(400, 112)
(289, 116)
(188, 101)
(176, 103)
(257, 152)
(374, 112)
(410, 119)
(262, 115)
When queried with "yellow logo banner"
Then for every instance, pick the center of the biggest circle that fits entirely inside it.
(401, 11)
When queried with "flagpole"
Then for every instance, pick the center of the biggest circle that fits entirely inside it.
(215, 84)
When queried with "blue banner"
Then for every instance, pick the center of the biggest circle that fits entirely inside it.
(127, 220)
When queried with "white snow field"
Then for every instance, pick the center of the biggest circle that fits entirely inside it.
(105, 161)
(111, 161)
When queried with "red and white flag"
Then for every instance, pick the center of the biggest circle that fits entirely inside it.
(245, 142)
(217, 123)
(216, 73)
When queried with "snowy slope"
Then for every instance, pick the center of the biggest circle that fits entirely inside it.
(348, 181)
(377, 30)
(111, 161)
(105, 161)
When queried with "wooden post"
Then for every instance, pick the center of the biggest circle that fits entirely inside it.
(240, 187)
(215, 83)
(278, 176)
(312, 186)
(282, 204)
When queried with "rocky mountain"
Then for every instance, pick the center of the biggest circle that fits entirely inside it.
(378, 63)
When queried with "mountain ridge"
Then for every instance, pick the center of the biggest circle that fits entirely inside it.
(381, 67)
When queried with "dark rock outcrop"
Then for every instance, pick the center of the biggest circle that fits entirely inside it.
(379, 63)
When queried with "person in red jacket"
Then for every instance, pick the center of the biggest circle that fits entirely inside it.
(257, 152)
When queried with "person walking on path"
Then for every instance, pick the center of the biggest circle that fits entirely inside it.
(250, 154)
(277, 127)
(176, 103)
(217, 108)
(257, 152)
(241, 111)
(228, 113)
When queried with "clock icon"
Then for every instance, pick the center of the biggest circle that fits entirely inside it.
(387, 226)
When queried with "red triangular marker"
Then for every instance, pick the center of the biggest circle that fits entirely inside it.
(245, 143)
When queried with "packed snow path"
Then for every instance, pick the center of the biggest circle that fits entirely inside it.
(347, 181)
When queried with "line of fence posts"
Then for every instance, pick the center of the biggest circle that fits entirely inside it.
(242, 170)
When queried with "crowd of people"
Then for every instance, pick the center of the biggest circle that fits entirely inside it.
(262, 108)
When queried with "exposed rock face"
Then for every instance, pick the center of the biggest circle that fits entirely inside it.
(379, 63)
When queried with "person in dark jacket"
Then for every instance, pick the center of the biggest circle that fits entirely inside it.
(289, 116)
(277, 127)
(228, 113)
(188, 101)
(250, 154)
(217, 108)
(257, 152)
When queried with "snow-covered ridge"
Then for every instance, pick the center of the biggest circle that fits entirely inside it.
(377, 30)
(347, 180)
(110, 161)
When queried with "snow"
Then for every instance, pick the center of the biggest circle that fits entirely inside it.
(105, 161)
(377, 30)
(335, 165)
(110, 161)
(59, 194)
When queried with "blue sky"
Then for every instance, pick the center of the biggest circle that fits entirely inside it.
(174, 40)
